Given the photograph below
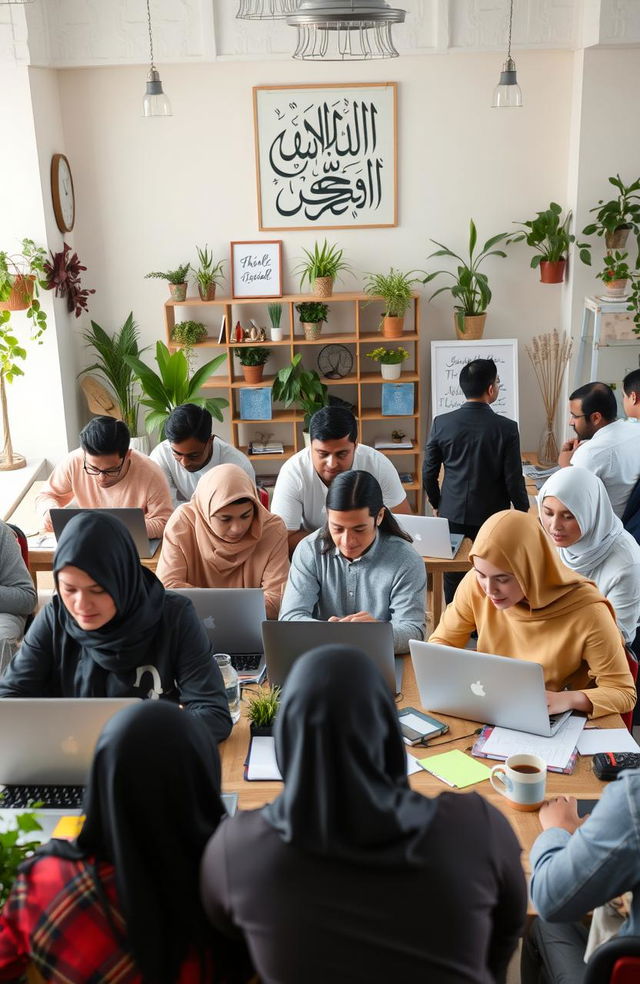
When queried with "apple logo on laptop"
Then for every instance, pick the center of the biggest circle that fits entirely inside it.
(209, 622)
(478, 689)
(70, 745)
(417, 538)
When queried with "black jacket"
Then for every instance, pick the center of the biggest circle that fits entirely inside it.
(178, 665)
(480, 451)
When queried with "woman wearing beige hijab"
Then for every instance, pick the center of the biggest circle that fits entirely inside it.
(525, 603)
(224, 538)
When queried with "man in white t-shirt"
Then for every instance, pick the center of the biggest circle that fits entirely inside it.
(191, 450)
(301, 488)
(604, 445)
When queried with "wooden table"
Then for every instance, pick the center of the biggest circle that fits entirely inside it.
(582, 783)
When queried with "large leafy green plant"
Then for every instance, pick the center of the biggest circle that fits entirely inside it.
(12, 853)
(172, 386)
(470, 288)
(549, 236)
(296, 386)
(622, 212)
(112, 351)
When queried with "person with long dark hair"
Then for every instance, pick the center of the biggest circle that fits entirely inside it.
(120, 903)
(349, 875)
(359, 567)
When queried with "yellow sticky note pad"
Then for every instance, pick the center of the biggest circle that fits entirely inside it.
(68, 827)
(456, 769)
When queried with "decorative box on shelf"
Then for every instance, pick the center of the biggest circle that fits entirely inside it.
(397, 399)
(255, 404)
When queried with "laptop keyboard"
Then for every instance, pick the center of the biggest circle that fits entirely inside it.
(50, 797)
(245, 662)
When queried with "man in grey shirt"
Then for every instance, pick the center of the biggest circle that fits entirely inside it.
(17, 593)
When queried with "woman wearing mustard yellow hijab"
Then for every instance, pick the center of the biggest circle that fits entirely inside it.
(523, 602)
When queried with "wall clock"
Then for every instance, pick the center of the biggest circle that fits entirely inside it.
(64, 202)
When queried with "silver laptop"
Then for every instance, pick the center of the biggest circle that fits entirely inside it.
(481, 687)
(430, 535)
(232, 618)
(284, 642)
(133, 519)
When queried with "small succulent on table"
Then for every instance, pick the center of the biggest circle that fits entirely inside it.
(252, 355)
(388, 357)
(63, 276)
(262, 709)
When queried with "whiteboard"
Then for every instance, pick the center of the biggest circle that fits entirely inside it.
(448, 358)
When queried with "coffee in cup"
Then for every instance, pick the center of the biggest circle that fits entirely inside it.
(521, 780)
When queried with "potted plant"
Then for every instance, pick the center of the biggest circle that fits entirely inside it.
(111, 352)
(172, 386)
(275, 315)
(62, 272)
(208, 276)
(262, 710)
(312, 314)
(549, 235)
(615, 219)
(395, 288)
(252, 359)
(470, 288)
(15, 848)
(634, 301)
(614, 274)
(320, 267)
(177, 281)
(187, 334)
(296, 386)
(390, 360)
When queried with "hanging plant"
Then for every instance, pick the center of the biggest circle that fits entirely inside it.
(63, 276)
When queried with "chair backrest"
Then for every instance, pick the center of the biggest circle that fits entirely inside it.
(632, 663)
(615, 962)
(631, 514)
(22, 542)
(263, 495)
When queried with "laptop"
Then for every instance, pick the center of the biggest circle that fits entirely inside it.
(496, 690)
(430, 535)
(232, 619)
(133, 519)
(284, 642)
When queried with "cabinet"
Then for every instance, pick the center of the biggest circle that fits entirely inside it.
(591, 338)
(353, 322)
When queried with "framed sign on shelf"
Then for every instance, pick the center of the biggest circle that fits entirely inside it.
(326, 156)
(256, 268)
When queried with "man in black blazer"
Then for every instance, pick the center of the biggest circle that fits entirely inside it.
(480, 451)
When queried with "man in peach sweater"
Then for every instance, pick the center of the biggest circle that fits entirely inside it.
(104, 472)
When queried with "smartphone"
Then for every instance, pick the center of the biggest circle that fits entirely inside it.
(585, 807)
(416, 726)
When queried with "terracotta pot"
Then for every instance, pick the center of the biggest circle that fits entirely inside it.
(618, 238)
(473, 326)
(312, 330)
(392, 327)
(552, 271)
(21, 294)
(253, 374)
(323, 286)
(178, 292)
(391, 370)
(615, 288)
(208, 294)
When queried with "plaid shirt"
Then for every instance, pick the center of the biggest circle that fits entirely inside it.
(54, 919)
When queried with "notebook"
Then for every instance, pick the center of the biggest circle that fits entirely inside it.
(284, 642)
(133, 519)
(496, 690)
(430, 535)
(232, 619)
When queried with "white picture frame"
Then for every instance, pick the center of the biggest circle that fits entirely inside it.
(256, 268)
(326, 156)
(448, 358)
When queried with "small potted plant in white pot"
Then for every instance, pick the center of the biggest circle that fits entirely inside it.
(390, 360)
(395, 289)
(615, 274)
(312, 314)
(177, 280)
(275, 316)
(320, 267)
(252, 359)
(208, 274)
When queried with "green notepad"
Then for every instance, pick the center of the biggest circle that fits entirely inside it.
(456, 769)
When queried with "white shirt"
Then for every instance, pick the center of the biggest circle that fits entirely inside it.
(182, 483)
(300, 494)
(613, 454)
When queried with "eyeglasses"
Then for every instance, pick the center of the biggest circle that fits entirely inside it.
(107, 472)
(576, 416)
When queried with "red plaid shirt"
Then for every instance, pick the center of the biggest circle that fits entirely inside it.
(54, 919)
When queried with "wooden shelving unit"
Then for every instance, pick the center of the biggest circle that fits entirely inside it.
(364, 384)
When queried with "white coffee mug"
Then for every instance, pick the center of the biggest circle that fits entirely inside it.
(521, 780)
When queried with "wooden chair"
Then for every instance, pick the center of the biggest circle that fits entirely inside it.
(633, 669)
(615, 962)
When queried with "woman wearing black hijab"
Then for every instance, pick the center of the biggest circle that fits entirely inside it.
(349, 875)
(121, 902)
(113, 631)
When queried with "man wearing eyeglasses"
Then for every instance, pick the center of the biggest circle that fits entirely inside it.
(104, 472)
(604, 445)
(191, 450)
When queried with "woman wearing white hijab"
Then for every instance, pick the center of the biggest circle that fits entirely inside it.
(576, 512)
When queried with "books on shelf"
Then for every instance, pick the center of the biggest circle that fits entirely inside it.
(271, 447)
(385, 444)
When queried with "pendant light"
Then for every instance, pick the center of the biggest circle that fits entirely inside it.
(266, 9)
(507, 94)
(345, 30)
(155, 102)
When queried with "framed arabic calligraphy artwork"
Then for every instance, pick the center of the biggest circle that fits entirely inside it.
(326, 156)
(256, 268)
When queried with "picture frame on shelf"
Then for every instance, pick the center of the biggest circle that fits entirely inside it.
(256, 268)
(326, 155)
(255, 404)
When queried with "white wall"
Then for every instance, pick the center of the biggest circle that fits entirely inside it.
(148, 190)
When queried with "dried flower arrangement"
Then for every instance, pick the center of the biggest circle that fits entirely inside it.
(549, 355)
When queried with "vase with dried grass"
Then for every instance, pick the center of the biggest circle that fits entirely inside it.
(549, 355)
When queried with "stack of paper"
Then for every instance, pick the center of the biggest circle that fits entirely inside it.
(556, 751)
(594, 740)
